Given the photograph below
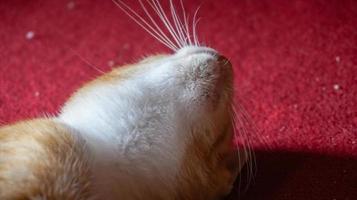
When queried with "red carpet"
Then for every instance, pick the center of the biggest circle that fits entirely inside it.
(295, 65)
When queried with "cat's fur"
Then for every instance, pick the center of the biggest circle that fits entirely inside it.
(159, 129)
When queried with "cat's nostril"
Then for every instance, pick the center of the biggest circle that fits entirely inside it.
(223, 61)
(225, 66)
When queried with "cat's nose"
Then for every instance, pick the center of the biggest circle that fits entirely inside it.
(224, 62)
(224, 67)
(220, 65)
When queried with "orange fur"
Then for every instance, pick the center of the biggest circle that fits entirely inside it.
(41, 159)
(115, 75)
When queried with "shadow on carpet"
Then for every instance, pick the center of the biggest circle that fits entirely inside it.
(299, 176)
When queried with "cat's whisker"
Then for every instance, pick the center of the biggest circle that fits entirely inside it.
(195, 33)
(153, 21)
(194, 25)
(166, 21)
(175, 32)
(186, 26)
(253, 126)
(237, 152)
(251, 157)
(240, 119)
(156, 9)
(178, 24)
(244, 122)
(86, 61)
(187, 30)
(142, 23)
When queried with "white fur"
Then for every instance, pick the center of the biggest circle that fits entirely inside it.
(137, 128)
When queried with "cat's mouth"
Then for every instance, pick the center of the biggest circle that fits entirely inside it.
(207, 74)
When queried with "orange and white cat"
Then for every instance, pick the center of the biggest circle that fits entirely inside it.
(161, 128)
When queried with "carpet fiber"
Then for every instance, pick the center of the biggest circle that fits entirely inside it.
(295, 64)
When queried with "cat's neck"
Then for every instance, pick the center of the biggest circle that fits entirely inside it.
(128, 147)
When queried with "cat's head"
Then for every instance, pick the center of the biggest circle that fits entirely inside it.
(192, 90)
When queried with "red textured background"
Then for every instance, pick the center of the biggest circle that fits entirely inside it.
(295, 65)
